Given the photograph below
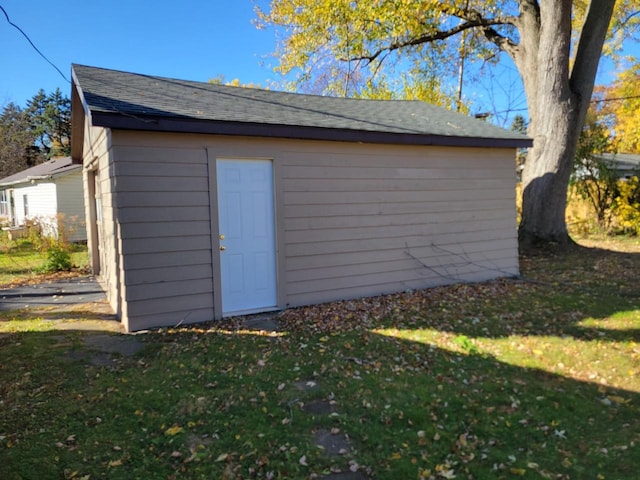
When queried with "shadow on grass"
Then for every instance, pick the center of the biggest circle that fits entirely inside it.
(407, 407)
(229, 401)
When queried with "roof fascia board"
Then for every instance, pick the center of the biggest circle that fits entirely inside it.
(79, 113)
(37, 178)
(187, 125)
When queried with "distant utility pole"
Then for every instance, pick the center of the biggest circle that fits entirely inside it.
(463, 46)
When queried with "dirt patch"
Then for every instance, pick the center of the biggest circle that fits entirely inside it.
(106, 350)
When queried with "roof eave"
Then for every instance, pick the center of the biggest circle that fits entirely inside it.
(39, 178)
(79, 112)
(206, 126)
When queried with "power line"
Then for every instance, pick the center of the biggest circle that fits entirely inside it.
(602, 100)
(32, 44)
(614, 99)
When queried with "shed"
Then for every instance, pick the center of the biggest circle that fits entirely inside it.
(49, 194)
(208, 201)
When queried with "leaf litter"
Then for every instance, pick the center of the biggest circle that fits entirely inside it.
(502, 379)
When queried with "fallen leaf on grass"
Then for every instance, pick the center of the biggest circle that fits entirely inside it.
(222, 457)
(176, 429)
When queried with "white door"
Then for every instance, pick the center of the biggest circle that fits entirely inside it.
(247, 235)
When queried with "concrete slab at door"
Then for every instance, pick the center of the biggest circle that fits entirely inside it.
(247, 235)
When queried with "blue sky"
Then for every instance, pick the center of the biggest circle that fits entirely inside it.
(189, 39)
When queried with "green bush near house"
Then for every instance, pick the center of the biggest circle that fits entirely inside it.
(58, 259)
(24, 259)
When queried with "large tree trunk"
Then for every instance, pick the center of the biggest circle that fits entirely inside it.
(553, 109)
(558, 102)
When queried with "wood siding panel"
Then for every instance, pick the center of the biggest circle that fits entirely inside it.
(407, 277)
(180, 306)
(347, 292)
(104, 246)
(365, 257)
(169, 274)
(376, 209)
(163, 214)
(162, 199)
(172, 319)
(185, 243)
(166, 259)
(332, 185)
(161, 229)
(383, 219)
(359, 221)
(177, 288)
(163, 184)
(167, 199)
(399, 232)
(408, 242)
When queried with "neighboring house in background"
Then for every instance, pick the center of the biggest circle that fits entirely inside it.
(50, 194)
(206, 201)
(625, 165)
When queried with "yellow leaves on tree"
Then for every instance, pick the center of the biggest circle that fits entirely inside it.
(625, 108)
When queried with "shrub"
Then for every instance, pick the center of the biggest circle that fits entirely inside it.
(58, 259)
(626, 207)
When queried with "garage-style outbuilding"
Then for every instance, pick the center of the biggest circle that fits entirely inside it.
(205, 200)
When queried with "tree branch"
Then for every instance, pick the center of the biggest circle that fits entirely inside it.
(589, 49)
(474, 21)
(503, 43)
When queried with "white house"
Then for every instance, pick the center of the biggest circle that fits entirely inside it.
(208, 201)
(50, 194)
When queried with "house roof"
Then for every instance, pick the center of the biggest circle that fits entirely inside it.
(55, 167)
(122, 100)
(623, 161)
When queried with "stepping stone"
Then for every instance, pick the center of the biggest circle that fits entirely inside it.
(304, 385)
(102, 347)
(122, 344)
(345, 476)
(319, 407)
(97, 359)
(263, 322)
(332, 444)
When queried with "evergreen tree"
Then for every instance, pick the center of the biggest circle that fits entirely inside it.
(31, 135)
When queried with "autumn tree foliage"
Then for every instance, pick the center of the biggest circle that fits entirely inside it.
(555, 45)
(620, 108)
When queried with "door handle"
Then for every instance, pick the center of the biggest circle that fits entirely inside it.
(222, 248)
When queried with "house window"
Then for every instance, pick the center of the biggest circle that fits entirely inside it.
(25, 202)
(4, 203)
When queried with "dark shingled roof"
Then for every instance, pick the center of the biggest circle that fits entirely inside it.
(124, 100)
(54, 167)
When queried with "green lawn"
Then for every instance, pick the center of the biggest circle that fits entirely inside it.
(534, 378)
(20, 262)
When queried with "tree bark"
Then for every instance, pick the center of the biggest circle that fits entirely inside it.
(558, 99)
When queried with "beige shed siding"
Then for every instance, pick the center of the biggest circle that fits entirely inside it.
(97, 161)
(71, 206)
(352, 219)
(162, 198)
(365, 220)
